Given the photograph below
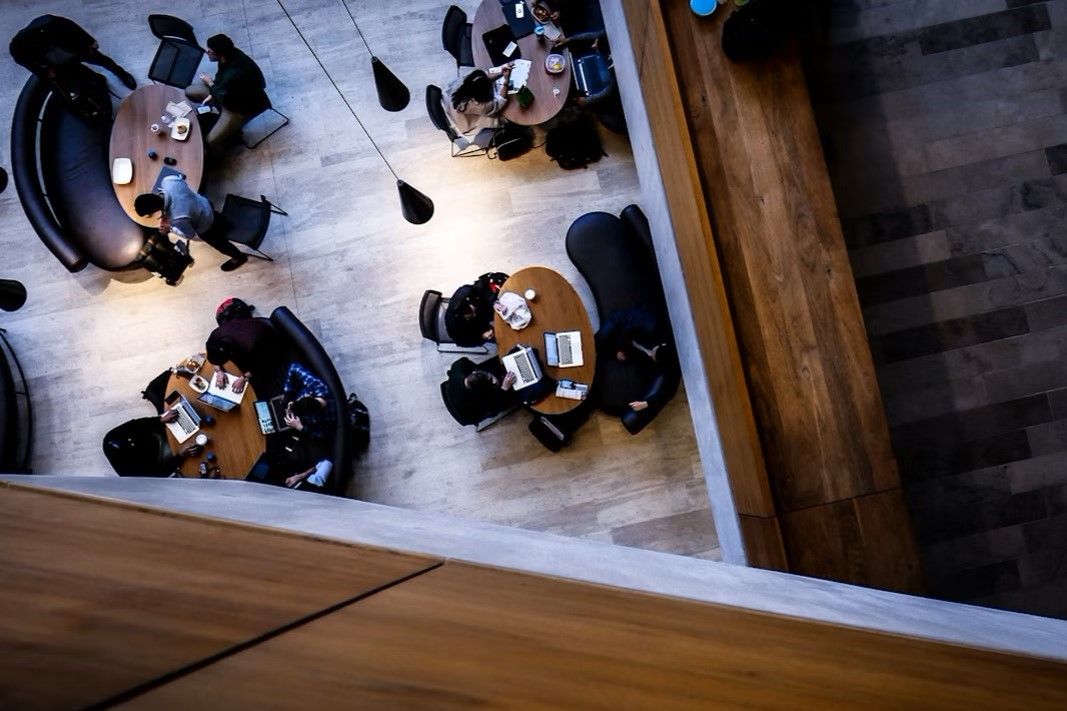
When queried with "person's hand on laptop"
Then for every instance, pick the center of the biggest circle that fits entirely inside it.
(239, 384)
(220, 378)
(507, 382)
(169, 416)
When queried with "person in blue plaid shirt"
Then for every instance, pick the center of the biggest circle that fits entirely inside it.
(307, 403)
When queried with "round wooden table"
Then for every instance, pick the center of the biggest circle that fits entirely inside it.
(556, 308)
(131, 138)
(235, 437)
(546, 104)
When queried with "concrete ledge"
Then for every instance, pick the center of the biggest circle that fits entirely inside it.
(588, 561)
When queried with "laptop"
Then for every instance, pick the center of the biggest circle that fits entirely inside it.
(188, 422)
(222, 398)
(523, 363)
(163, 173)
(564, 350)
(271, 415)
(496, 41)
(520, 18)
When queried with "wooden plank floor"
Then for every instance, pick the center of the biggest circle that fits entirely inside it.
(354, 271)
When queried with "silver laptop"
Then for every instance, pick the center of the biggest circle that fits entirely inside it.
(188, 422)
(523, 363)
(223, 398)
(564, 350)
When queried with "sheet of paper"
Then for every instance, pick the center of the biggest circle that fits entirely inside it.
(179, 110)
(520, 74)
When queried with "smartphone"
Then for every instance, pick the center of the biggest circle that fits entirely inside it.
(172, 398)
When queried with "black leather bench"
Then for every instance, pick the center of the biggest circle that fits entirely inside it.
(617, 259)
(60, 166)
(16, 415)
(306, 349)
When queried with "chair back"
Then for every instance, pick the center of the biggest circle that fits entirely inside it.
(156, 390)
(428, 309)
(453, 31)
(246, 220)
(138, 448)
(436, 110)
(452, 409)
(170, 27)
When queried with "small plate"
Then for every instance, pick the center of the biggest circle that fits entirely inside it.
(555, 63)
(180, 135)
(122, 171)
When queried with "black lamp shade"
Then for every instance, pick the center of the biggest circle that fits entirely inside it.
(392, 94)
(13, 293)
(417, 208)
(3, 180)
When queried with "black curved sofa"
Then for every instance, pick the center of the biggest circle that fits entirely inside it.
(306, 349)
(616, 257)
(60, 166)
(16, 415)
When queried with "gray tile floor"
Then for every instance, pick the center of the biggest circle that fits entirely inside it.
(945, 124)
(354, 271)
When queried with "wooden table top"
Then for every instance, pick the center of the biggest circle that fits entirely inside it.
(235, 437)
(557, 307)
(131, 138)
(489, 16)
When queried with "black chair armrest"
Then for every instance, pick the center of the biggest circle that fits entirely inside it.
(310, 352)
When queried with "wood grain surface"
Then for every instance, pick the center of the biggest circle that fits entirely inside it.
(809, 367)
(556, 308)
(99, 597)
(462, 637)
(235, 438)
(131, 138)
(546, 104)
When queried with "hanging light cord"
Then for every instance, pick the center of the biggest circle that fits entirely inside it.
(352, 17)
(338, 89)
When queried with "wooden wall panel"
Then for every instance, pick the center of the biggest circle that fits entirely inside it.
(692, 234)
(763, 542)
(97, 597)
(462, 637)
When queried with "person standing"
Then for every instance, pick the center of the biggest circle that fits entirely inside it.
(187, 214)
(50, 45)
(238, 90)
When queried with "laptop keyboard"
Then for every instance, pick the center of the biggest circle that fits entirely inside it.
(564, 345)
(184, 420)
(525, 371)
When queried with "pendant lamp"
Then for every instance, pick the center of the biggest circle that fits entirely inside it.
(13, 294)
(392, 94)
(416, 207)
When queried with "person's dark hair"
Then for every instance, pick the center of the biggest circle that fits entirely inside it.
(307, 406)
(147, 203)
(480, 381)
(232, 309)
(220, 45)
(476, 86)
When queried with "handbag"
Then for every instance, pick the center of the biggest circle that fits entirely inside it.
(510, 142)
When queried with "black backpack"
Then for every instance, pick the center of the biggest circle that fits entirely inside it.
(359, 422)
(511, 141)
(575, 144)
(84, 92)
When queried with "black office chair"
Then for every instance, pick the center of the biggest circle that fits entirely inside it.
(456, 37)
(139, 448)
(269, 108)
(179, 54)
(432, 324)
(245, 221)
(462, 147)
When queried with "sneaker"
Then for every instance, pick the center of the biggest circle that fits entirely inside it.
(233, 262)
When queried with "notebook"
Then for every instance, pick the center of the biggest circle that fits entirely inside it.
(520, 18)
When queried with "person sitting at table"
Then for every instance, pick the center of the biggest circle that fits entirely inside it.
(478, 391)
(140, 447)
(188, 214)
(238, 89)
(635, 336)
(469, 316)
(601, 83)
(50, 44)
(251, 343)
(474, 101)
(299, 456)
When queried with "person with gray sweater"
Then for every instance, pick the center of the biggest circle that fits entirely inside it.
(188, 214)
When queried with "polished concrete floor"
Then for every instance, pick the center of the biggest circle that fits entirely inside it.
(946, 129)
(351, 267)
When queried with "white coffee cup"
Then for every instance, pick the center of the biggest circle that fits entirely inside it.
(154, 128)
(201, 439)
(530, 294)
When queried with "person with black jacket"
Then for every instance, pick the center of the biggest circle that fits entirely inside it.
(50, 45)
(252, 344)
(238, 90)
(469, 316)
